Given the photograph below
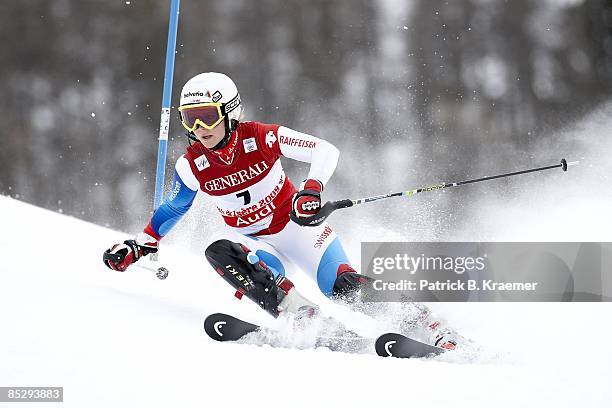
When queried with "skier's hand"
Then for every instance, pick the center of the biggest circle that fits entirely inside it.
(120, 256)
(307, 201)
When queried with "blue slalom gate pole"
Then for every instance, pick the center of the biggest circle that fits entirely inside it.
(164, 124)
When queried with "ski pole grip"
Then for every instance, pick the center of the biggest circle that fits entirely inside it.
(342, 203)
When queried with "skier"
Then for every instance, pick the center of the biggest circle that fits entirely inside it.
(236, 164)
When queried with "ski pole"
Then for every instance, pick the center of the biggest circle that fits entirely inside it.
(164, 123)
(161, 272)
(332, 206)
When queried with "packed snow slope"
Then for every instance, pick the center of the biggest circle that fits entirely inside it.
(130, 340)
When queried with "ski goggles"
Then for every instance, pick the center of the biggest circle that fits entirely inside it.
(207, 114)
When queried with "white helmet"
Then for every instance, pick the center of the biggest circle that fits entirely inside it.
(215, 87)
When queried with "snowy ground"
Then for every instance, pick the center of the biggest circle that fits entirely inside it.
(127, 339)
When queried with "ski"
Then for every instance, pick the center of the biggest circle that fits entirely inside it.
(398, 345)
(223, 327)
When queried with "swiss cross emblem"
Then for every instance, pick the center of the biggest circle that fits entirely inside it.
(270, 139)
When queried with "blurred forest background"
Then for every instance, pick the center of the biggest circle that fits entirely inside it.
(412, 92)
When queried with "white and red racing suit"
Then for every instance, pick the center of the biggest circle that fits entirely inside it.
(252, 193)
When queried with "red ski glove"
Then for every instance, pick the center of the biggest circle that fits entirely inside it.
(307, 201)
(120, 256)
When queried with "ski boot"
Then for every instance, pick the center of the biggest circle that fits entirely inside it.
(425, 325)
(441, 336)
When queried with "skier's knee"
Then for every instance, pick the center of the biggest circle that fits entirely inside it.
(246, 273)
